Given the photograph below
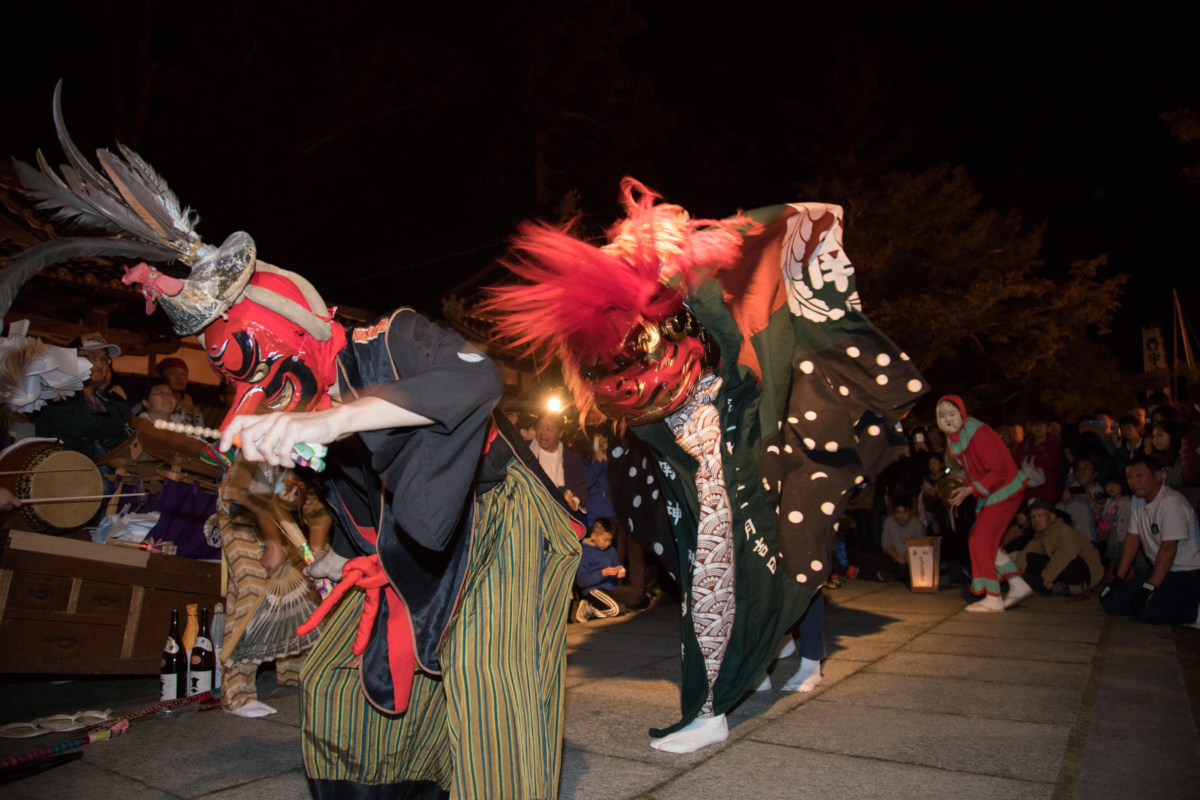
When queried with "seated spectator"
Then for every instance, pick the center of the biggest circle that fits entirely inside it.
(174, 371)
(1167, 440)
(1042, 451)
(1129, 439)
(1113, 525)
(163, 403)
(564, 468)
(89, 421)
(598, 575)
(1058, 553)
(897, 529)
(1020, 532)
(1080, 498)
(1164, 525)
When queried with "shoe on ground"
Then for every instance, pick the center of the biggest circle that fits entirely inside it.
(1086, 594)
(584, 611)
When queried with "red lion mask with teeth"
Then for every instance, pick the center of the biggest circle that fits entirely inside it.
(615, 315)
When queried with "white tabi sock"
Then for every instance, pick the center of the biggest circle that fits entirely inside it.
(700, 732)
(765, 686)
(789, 649)
(807, 678)
(1018, 590)
(252, 710)
(990, 603)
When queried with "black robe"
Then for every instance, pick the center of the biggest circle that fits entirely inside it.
(432, 475)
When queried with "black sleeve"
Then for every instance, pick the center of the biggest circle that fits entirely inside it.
(430, 470)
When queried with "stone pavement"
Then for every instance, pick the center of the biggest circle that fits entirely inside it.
(919, 699)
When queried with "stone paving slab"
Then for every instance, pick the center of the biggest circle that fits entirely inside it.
(650, 687)
(612, 641)
(847, 648)
(873, 634)
(198, 753)
(771, 772)
(288, 786)
(1001, 627)
(990, 647)
(1045, 704)
(775, 702)
(1011, 671)
(80, 781)
(1024, 616)
(1058, 605)
(1002, 748)
(592, 664)
(598, 724)
(592, 776)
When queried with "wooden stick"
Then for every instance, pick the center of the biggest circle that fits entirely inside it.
(33, 500)
(47, 471)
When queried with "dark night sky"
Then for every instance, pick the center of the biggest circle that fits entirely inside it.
(1052, 107)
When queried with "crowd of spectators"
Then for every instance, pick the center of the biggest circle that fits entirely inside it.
(1111, 505)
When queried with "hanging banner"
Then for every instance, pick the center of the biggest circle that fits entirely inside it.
(1154, 355)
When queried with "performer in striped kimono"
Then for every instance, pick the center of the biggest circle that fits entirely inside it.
(441, 670)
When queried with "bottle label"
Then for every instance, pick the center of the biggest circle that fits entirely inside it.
(170, 687)
(200, 682)
(172, 646)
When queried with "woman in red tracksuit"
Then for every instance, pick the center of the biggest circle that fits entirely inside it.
(993, 477)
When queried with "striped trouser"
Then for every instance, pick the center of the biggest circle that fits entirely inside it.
(491, 726)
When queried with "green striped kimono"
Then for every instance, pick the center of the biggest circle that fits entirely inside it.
(490, 726)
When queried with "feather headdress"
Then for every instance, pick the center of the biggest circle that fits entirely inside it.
(578, 303)
(132, 203)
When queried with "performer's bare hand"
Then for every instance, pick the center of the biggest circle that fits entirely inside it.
(8, 501)
(571, 499)
(960, 494)
(274, 559)
(270, 438)
(328, 564)
(1048, 584)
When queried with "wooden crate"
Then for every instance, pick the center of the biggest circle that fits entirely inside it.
(74, 607)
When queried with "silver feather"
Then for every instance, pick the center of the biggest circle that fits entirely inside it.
(183, 220)
(27, 263)
(86, 170)
(56, 196)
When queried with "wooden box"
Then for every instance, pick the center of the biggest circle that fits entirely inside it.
(924, 562)
(74, 607)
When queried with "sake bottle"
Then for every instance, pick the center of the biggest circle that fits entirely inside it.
(173, 669)
(203, 661)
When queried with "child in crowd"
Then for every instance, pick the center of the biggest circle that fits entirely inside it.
(1112, 527)
(897, 529)
(598, 574)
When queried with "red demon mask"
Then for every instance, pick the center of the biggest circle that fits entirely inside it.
(654, 369)
(274, 364)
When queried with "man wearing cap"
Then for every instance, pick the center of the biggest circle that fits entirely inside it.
(1058, 552)
(88, 421)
